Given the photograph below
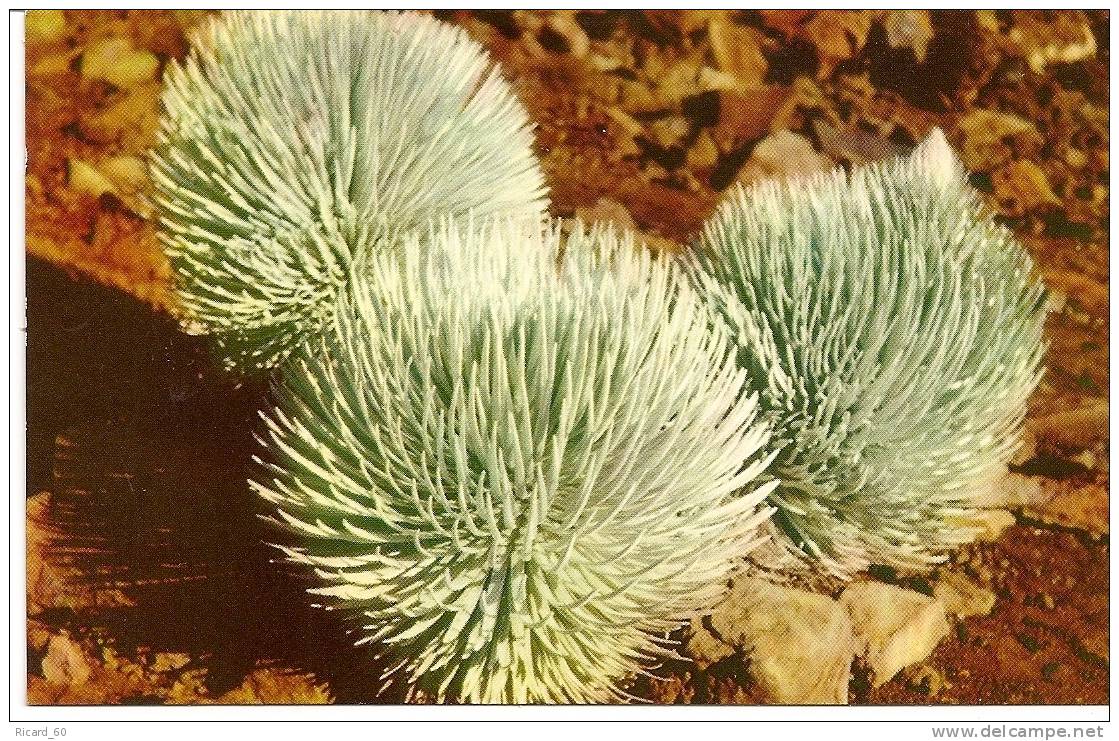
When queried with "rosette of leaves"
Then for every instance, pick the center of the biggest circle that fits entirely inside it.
(519, 471)
(893, 332)
(293, 144)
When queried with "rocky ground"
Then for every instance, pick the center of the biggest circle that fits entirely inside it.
(145, 583)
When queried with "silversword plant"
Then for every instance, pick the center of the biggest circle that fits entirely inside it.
(893, 332)
(295, 143)
(522, 474)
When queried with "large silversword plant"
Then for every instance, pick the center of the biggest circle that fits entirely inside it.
(295, 143)
(522, 477)
(893, 331)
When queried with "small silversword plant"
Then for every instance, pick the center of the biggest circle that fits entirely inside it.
(294, 143)
(893, 332)
(521, 471)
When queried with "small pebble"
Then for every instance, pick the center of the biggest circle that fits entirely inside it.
(667, 132)
(128, 174)
(115, 61)
(1086, 458)
(575, 38)
(703, 154)
(65, 664)
(85, 179)
(44, 26)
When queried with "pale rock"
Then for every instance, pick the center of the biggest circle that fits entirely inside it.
(654, 171)
(1085, 458)
(604, 63)
(988, 21)
(936, 158)
(1027, 448)
(52, 65)
(135, 68)
(1068, 503)
(606, 211)
(800, 644)
(1057, 37)
(86, 179)
(1075, 429)
(1073, 505)
(669, 131)
(1055, 300)
(128, 179)
(783, 155)
(564, 24)
(127, 174)
(653, 62)
(690, 21)
(529, 21)
(910, 29)
(1020, 491)
(738, 51)
(44, 26)
(704, 648)
(625, 149)
(1076, 158)
(166, 662)
(712, 79)
(130, 121)
(115, 61)
(1011, 491)
(677, 82)
(991, 524)
(65, 663)
(781, 564)
(961, 596)
(628, 124)
(899, 627)
(703, 154)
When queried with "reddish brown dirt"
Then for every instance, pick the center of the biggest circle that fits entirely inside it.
(1046, 641)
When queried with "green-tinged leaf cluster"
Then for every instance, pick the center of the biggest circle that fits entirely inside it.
(893, 332)
(522, 470)
(294, 144)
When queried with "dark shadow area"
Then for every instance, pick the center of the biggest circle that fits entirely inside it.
(1052, 466)
(95, 354)
(146, 447)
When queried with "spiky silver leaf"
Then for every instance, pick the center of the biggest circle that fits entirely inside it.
(893, 331)
(295, 143)
(522, 476)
